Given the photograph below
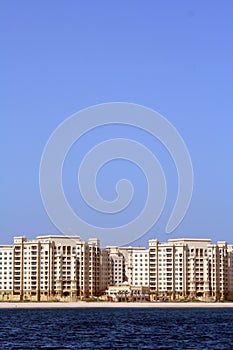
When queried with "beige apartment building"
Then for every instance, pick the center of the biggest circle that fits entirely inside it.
(129, 264)
(52, 268)
(129, 274)
(116, 266)
(67, 268)
(6, 271)
(191, 268)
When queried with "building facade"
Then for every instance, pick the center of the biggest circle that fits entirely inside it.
(6, 271)
(191, 268)
(52, 268)
(67, 268)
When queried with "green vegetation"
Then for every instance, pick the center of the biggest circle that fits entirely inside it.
(90, 300)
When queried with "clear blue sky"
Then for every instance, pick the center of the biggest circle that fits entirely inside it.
(176, 57)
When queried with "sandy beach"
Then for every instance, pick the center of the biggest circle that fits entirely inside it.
(112, 305)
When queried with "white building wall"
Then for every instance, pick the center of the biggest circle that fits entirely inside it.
(230, 271)
(6, 269)
(140, 271)
(116, 266)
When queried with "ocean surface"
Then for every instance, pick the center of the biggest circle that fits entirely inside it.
(110, 328)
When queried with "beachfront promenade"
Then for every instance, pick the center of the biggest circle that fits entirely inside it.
(114, 305)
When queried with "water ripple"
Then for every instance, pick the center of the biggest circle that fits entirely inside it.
(142, 329)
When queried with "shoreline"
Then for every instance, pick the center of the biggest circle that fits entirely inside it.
(83, 304)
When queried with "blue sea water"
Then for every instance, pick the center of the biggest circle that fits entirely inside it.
(110, 328)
